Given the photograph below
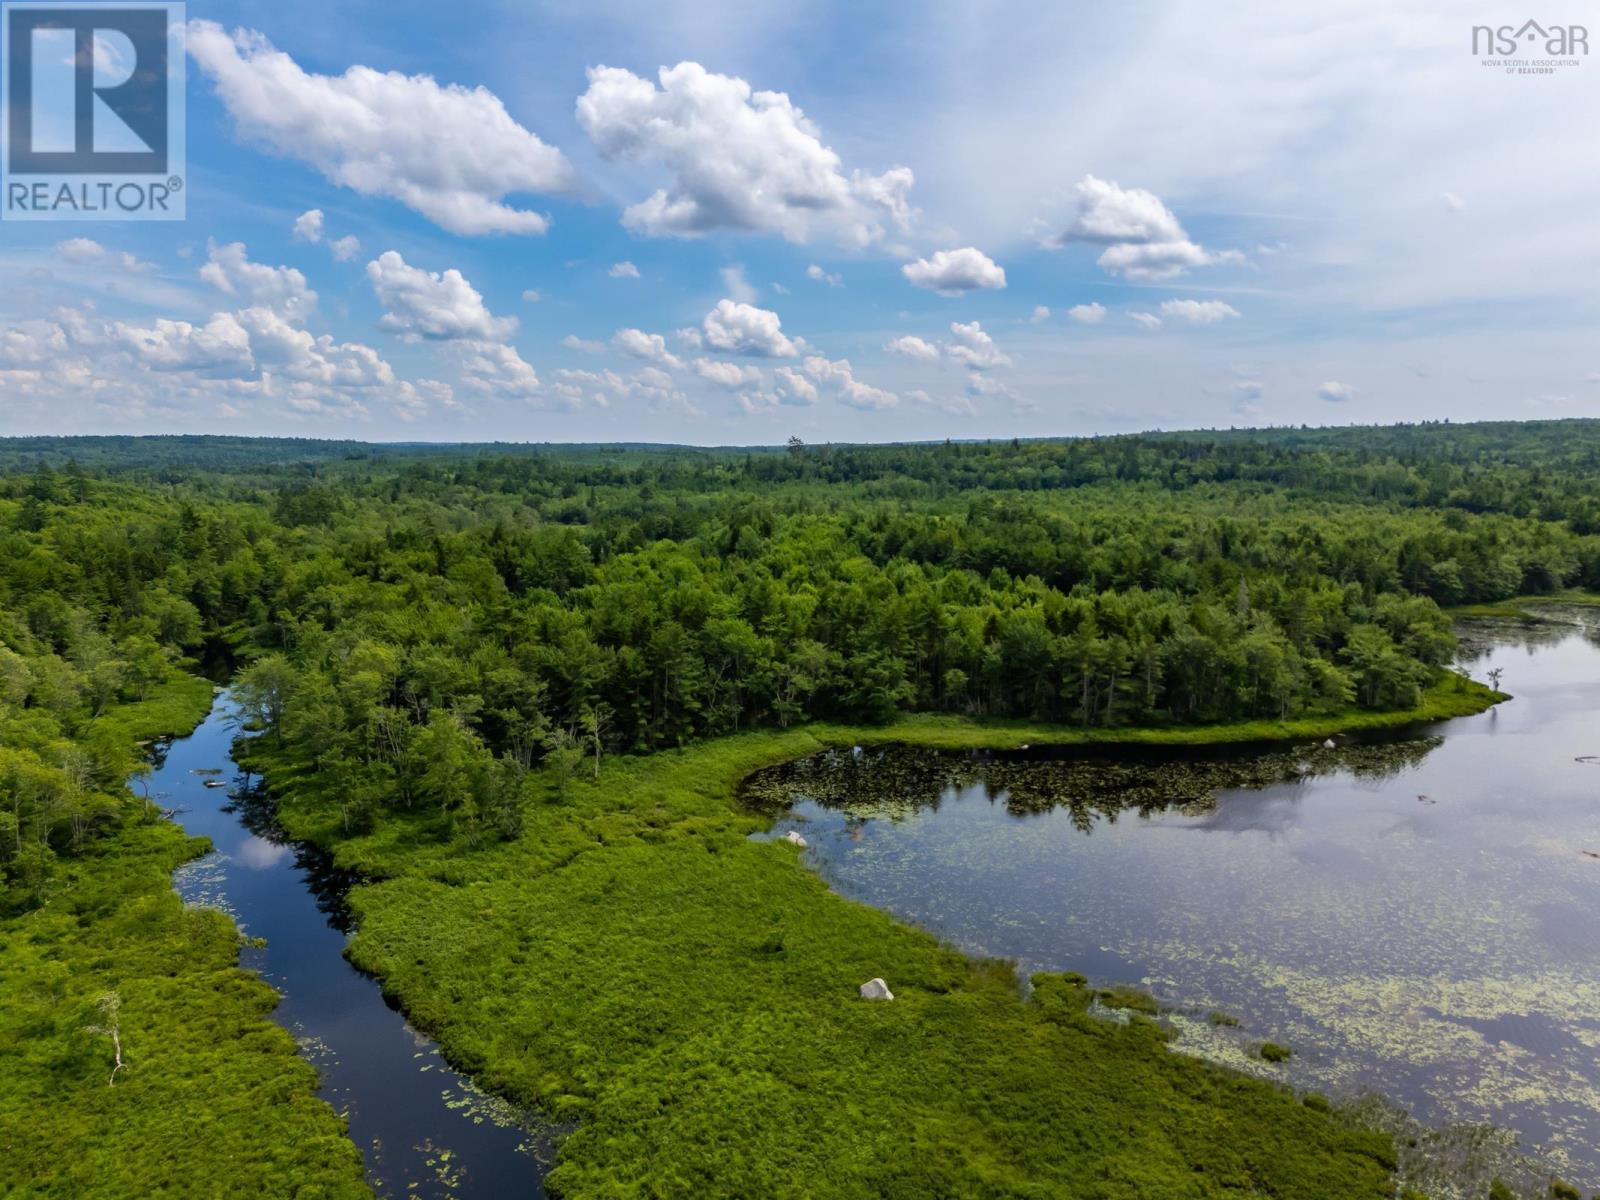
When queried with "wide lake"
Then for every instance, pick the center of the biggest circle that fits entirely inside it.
(1416, 915)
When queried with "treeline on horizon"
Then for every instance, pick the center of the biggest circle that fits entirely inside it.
(424, 628)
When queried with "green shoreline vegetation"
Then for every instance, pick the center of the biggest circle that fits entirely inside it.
(212, 1096)
(635, 963)
(519, 689)
(1526, 608)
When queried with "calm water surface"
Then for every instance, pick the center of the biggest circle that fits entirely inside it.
(425, 1130)
(1416, 917)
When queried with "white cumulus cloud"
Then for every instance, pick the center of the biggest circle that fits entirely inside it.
(308, 226)
(1335, 392)
(451, 153)
(911, 346)
(840, 376)
(726, 374)
(974, 348)
(282, 289)
(432, 305)
(737, 159)
(952, 272)
(1087, 314)
(651, 347)
(736, 328)
(1143, 240)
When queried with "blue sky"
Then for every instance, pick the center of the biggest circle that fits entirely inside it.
(844, 221)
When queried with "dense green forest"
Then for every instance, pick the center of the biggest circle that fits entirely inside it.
(483, 665)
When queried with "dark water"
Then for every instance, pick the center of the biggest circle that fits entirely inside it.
(1419, 917)
(425, 1130)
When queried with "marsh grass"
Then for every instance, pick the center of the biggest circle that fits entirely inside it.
(636, 964)
(213, 1098)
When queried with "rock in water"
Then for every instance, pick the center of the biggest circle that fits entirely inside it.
(876, 989)
(1329, 745)
(795, 839)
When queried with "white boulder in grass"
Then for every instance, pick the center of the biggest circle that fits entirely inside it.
(876, 989)
(795, 839)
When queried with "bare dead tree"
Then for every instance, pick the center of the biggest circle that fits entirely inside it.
(110, 1005)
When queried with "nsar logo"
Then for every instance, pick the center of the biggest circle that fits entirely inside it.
(91, 112)
(1531, 48)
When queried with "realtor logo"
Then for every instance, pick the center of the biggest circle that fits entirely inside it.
(91, 111)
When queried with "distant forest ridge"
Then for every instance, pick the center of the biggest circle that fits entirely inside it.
(1574, 441)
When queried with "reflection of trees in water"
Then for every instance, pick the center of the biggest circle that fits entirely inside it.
(257, 812)
(1545, 625)
(899, 781)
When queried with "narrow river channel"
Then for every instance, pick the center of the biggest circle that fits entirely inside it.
(424, 1129)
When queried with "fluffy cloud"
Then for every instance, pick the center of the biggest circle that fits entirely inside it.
(282, 347)
(260, 355)
(650, 385)
(584, 345)
(974, 348)
(431, 305)
(911, 346)
(1087, 314)
(495, 370)
(450, 153)
(738, 159)
(1142, 238)
(819, 275)
(1198, 312)
(952, 272)
(222, 345)
(623, 270)
(1335, 392)
(283, 289)
(794, 388)
(736, 328)
(651, 347)
(1148, 320)
(1041, 313)
(726, 374)
(308, 226)
(838, 375)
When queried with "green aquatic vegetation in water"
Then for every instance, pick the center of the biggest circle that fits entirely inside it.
(608, 967)
(1273, 1053)
(1128, 998)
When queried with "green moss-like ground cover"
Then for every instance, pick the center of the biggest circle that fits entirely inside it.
(636, 963)
(213, 1099)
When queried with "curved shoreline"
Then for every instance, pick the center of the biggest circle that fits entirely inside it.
(429, 928)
